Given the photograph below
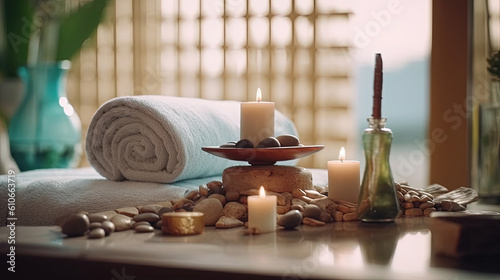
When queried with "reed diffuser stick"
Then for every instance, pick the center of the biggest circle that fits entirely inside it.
(377, 88)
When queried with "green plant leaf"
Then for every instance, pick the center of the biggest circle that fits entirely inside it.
(17, 20)
(77, 27)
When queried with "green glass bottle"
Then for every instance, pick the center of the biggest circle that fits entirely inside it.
(377, 200)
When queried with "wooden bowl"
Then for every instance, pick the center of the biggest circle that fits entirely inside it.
(263, 156)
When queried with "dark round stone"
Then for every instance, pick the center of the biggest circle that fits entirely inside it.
(312, 211)
(144, 228)
(164, 210)
(290, 219)
(96, 217)
(96, 233)
(244, 143)
(158, 224)
(288, 140)
(76, 225)
(108, 227)
(269, 142)
(230, 144)
(141, 223)
(149, 217)
(94, 225)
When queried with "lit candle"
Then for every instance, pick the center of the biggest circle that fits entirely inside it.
(262, 212)
(256, 120)
(343, 178)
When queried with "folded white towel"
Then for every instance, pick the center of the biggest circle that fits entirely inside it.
(159, 138)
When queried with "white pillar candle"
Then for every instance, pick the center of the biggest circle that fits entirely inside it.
(343, 178)
(262, 212)
(256, 120)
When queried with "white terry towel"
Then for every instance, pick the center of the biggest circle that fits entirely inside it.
(159, 138)
(44, 195)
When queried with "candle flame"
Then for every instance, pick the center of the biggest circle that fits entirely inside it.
(342, 154)
(258, 95)
(262, 192)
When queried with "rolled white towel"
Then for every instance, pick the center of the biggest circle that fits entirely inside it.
(159, 138)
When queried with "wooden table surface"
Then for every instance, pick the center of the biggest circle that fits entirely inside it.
(342, 250)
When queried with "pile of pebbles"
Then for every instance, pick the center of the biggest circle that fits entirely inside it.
(98, 225)
(222, 209)
(415, 202)
(229, 209)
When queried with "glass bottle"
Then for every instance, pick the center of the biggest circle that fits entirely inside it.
(487, 147)
(377, 200)
(45, 131)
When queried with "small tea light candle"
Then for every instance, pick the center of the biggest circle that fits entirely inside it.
(183, 223)
(262, 212)
(256, 119)
(343, 178)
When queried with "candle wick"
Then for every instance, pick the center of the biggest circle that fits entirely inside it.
(341, 160)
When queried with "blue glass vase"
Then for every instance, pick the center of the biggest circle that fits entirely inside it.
(45, 131)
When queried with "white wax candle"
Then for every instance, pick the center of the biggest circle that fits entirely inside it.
(343, 179)
(262, 212)
(256, 120)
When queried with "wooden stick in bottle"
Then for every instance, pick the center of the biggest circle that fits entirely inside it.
(377, 88)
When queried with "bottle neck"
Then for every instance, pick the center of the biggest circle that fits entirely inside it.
(45, 82)
(376, 123)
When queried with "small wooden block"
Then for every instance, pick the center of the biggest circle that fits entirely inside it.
(458, 234)
(274, 178)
